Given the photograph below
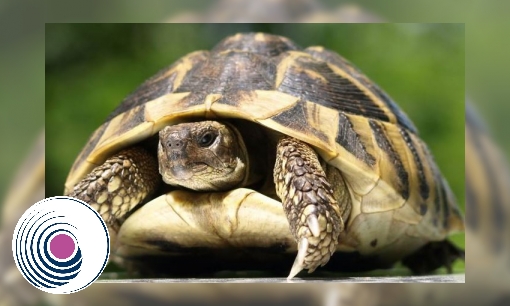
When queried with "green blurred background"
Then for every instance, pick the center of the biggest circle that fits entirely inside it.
(90, 68)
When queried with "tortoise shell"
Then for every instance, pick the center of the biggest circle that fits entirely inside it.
(313, 94)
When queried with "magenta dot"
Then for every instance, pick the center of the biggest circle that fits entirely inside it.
(62, 246)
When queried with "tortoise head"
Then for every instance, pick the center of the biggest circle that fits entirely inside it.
(203, 156)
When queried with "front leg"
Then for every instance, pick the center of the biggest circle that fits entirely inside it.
(313, 213)
(118, 185)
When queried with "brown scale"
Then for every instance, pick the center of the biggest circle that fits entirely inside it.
(308, 201)
(119, 184)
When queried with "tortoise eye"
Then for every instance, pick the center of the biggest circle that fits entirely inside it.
(207, 139)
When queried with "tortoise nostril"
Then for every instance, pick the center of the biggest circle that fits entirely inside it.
(175, 143)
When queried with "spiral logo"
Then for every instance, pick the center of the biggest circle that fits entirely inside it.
(61, 245)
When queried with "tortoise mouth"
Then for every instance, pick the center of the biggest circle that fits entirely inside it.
(198, 166)
(188, 170)
(184, 172)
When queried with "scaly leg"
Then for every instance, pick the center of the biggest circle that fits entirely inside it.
(118, 185)
(313, 213)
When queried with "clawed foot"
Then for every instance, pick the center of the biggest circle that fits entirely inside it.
(307, 197)
(316, 243)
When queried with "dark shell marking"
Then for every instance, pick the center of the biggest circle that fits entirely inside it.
(314, 80)
(385, 144)
(424, 187)
(231, 74)
(296, 118)
(350, 140)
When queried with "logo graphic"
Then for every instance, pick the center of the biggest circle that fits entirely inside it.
(61, 245)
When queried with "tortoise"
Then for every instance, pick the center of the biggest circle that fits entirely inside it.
(258, 150)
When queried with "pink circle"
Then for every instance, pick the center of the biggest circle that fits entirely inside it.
(62, 246)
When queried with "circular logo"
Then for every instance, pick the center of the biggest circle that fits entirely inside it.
(61, 245)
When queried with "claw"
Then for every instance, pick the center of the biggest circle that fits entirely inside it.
(300, 259)
(313, 225)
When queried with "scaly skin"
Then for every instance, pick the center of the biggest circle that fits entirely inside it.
(118, 185)
(314, 214)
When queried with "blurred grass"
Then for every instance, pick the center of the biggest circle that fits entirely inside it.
(90, 68)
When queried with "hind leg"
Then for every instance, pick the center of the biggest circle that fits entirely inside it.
(432, 256)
